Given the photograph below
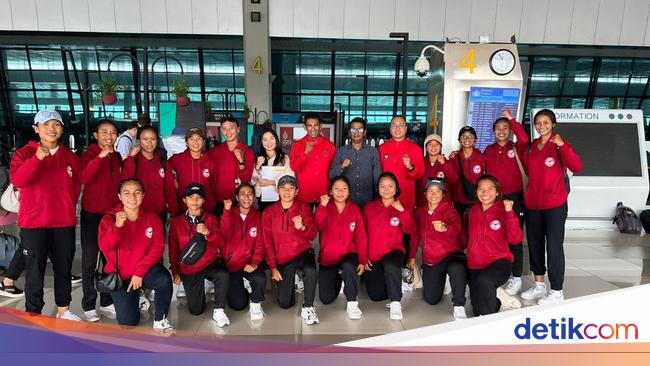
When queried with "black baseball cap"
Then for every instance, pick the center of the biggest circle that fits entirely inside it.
(194, 188)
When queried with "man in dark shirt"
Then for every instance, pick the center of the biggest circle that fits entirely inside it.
(359, 162)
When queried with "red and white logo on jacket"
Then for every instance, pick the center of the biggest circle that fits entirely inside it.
(511, 154)
(69, 170)
(206, 173)
(440, 175)
(353, 226)
(495, 225)
(161, 172)
(149, 232)
(549, 162)
(252, 232)
(476, 169)
(394, 221)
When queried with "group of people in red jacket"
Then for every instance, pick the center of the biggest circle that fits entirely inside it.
(465, 212)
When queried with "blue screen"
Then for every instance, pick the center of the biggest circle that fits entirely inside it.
(485, 106)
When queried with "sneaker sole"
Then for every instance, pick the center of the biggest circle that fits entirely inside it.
(354, 317)
(256, 317)
(91, 320)
(396, 318)
(9, 294)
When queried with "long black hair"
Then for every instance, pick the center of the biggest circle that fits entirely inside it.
(280, 156)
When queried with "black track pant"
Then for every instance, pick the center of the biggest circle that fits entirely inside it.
(238, 297)
(545, 233)
(517, 249)
(331, 277)
(305, 262)
(385, 279)
(483, 285)
(434, 277)
(194, 286)
(38, 245)
(89, 253)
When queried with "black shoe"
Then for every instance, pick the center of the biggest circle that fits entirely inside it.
(10, 291)
(75, 279)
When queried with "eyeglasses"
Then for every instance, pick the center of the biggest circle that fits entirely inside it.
(398, 126)
(467, 137)
(356, 130)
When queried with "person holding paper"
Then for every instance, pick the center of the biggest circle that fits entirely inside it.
(503, 161)
(271, 164)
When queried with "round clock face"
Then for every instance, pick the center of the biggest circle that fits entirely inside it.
(502, 62)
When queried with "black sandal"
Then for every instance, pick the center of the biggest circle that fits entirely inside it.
(10, 291)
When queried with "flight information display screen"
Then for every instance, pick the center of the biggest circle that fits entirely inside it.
(485, 105)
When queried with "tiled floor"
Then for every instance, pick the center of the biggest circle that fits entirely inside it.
(596, 261)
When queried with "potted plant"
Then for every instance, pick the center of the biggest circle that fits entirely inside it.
(108, 87)
(207, 108)
(181, 89)
(246, 113)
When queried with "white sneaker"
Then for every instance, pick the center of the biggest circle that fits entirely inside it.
(180, 291)
(108, 311)
(152, 296)
(536, 292)
(353, 310)
(68, 315)
(219, 316)
(396, 310)
(255, 311)
(447, 289)
(459, 313)
(209, 287)
(143, 304)
(513, 286)
(300, 285)
(552, 297)
(308, 314)
(163, 324)
(508, 302)
(247, 285)
(406, 288)
(91, 316)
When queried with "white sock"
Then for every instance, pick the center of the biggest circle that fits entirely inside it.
(540, 284)
(516, 279)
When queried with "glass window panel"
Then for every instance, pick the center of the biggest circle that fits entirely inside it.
(315, 84)
(315, 63)
(577, 103)
(613, 77)
(608, 103)
(639, 77)
(46, 59)
(349, 84)
(381, 65)
(545, 78)
(16, 59)
(632, 103)
(350, 63)
(316, 103)
(577, 76)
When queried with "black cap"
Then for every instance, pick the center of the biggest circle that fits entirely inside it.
(469, 129)
(194, 188)
(438, 182)
(287, 179)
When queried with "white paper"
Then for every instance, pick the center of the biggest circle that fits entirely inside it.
(270, 193)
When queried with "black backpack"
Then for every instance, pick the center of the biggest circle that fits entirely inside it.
(627, 220)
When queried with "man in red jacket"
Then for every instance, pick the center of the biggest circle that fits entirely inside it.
(102, 169)
(234, 160)
(289, 227)
(404, 159)
(311, 157)
(47, 174)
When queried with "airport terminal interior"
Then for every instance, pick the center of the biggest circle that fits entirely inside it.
(272, 61)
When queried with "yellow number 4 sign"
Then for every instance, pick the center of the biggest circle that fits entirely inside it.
(468, 61)
(257, 65)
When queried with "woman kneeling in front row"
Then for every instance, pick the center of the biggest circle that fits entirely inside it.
(492, 224)
(438, 232)
(193, 267)
(133, 242)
